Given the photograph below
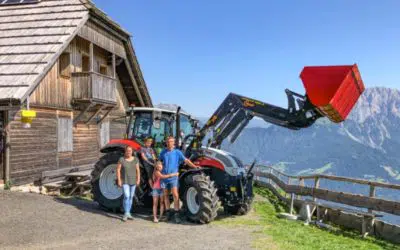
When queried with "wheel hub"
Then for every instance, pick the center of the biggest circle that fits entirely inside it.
(192, 200)
(108, 183)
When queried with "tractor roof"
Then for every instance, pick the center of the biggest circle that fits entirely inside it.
(146, 109)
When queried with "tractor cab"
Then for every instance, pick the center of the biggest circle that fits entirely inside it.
(159, 124)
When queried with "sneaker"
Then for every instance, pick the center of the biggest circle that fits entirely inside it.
(130, 217)
(177, 218)
(169, 213)
(125, 218)
(155, 220)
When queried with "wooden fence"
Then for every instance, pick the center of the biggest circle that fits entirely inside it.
(282, 185)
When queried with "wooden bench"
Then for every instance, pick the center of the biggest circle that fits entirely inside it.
(59, 174)
(367, 218)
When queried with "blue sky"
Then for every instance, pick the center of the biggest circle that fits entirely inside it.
(193, 53)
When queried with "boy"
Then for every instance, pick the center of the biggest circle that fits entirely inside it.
(148, 156)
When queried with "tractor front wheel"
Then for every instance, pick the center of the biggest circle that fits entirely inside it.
(104, 183)
(200, 199)
(241, 209)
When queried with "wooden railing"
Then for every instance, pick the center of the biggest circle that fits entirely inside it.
(370, 202)
(94, 87)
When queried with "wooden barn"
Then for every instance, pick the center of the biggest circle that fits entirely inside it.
(77, 69)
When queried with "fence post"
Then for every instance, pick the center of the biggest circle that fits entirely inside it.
(301, 184)
(316, 185)
(371, 194)
(269, 179)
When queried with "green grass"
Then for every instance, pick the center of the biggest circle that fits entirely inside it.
(270, 232)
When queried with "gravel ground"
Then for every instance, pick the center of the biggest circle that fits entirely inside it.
(32, 221)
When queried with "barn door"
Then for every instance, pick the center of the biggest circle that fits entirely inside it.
(2, 139)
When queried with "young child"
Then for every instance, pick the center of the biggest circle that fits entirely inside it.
(148, 156)
(157, 193)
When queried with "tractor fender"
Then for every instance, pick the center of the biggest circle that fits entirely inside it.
(191, 171)
(120, 145)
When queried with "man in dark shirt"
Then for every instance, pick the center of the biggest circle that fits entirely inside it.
(171, 159)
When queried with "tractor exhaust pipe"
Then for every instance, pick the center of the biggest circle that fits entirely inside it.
(178, 127)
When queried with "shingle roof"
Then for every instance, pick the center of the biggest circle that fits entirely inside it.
(32, 36)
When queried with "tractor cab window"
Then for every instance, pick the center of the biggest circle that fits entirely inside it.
(160, 131)
(185, 126)
(142, 126)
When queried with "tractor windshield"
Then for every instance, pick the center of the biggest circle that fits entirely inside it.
(185, 126)
(144, 126)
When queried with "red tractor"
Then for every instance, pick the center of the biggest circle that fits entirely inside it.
(332, 91)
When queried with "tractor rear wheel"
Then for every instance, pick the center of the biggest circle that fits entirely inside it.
(104, 183)
(200, 199)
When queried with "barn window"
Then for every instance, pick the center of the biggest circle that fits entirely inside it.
(65, 143)
(104, 133)
(64, 65)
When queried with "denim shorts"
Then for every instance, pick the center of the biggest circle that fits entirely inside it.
(170, 183)
(157, 192)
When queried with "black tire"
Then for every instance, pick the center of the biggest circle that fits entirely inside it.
(112, 204)
(238, 209)
(207, 198)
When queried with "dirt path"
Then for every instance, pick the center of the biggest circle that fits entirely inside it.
(31, 221)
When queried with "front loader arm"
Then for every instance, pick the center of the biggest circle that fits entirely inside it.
(236, 111)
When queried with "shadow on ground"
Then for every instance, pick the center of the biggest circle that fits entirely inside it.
(138, 212)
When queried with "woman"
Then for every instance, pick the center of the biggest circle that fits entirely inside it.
(128, 179)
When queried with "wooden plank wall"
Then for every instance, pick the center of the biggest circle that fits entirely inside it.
(86, 144)
(2, 141)
(78, 47)
(33, 150)
(117, 124)
(102, 38)
(53, 91)
(101, 58)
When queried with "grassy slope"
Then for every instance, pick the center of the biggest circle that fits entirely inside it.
(271, 232)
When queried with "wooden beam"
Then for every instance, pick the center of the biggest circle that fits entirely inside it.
(114, 74)
(94, 115)
(91, 57)
(371, 194)
(7, 147)
(104, 116)
(316, 185)
(135, 84)
(88, 106)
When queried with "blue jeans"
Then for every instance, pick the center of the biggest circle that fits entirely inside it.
(129, 193)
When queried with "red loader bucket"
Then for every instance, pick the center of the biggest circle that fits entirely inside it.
(334, 90)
